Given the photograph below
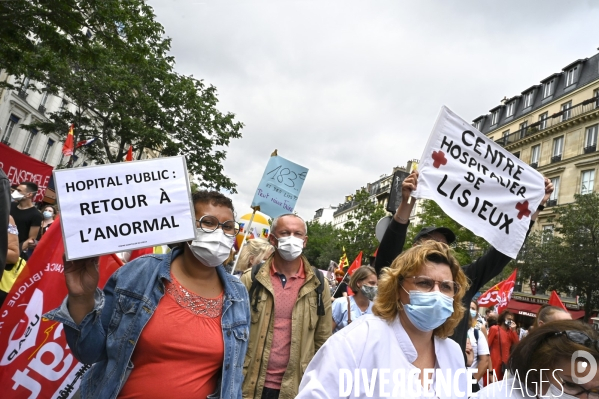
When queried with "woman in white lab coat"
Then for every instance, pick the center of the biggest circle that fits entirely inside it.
(417, 307)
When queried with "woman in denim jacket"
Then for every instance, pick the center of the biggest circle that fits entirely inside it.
(173, 325)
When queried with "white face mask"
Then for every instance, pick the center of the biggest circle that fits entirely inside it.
(290, 248)
(17, 196)
(212, 249)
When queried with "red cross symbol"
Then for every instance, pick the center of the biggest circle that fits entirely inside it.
(439, 158)
(522, 208)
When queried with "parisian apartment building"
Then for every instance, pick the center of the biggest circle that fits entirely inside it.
(552, 125)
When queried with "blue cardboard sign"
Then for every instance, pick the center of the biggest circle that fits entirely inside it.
(280, 186)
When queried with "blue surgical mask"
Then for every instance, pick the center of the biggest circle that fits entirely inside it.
(428, 310)
(47, 214)
(473, 313)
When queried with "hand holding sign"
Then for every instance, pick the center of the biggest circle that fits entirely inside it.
(409, 185)
(82, 278)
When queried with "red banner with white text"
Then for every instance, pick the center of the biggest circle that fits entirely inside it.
(36, 361)
(20, 167)
(499, 294)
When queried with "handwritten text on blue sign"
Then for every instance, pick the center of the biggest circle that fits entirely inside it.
(280, 186)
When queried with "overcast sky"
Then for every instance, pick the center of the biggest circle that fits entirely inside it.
(350, 89)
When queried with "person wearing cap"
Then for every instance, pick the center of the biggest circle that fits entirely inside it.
(480, 272)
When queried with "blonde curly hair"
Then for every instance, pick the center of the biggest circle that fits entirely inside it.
(254, 251)
(387, 304)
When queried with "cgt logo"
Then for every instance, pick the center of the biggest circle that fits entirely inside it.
(24, 335)
(583, 371)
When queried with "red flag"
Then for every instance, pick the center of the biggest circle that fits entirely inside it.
(554, 300)
(19, 167)
(36, 361)
(69, 146)
(499, 294)
(355, 264)
(129, 154)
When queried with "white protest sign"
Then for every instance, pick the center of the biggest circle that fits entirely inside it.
(125, 206)
(479, 184)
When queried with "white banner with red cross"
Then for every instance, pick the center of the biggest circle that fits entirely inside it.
(478, 183)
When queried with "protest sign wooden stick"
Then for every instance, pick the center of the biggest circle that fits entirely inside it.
(245, 235)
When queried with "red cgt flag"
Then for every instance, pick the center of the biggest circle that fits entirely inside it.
(499, 294)
(554, 300)
(355, 264)
(69, 145)
(36, 361)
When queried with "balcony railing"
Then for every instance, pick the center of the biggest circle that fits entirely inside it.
(556, 158)
(381, 190)
(553, 120)
(590, 148)
(534, 165)
(551, 202)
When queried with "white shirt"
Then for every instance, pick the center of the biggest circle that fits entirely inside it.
(370, 345)
(340, 311)
(480, 347)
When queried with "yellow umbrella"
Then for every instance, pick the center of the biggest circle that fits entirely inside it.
(260, 227)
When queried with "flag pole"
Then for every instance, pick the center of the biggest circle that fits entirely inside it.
(247, 230)
(343, 279)
(348, 266)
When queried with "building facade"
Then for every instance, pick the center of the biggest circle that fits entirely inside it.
(30, 105)
(379, 193)
(324, 215)
(553, 127)
(24, 107)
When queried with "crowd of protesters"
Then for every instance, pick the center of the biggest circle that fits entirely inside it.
(178, 323)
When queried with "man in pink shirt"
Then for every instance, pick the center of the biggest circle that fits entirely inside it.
(286, 329)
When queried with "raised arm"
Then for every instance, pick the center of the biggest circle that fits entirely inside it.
(395, 235)
(13, 252)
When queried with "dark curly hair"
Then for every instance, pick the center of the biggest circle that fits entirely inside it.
(212, 197)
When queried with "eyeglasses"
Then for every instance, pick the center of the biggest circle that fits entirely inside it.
(209, 224)
(580, 338)
(573, 389)
(427, 284)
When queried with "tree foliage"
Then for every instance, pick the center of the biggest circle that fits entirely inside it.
(358, 234)
(569, 259)
(324, 244)
(468, 246)
(110, 58)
